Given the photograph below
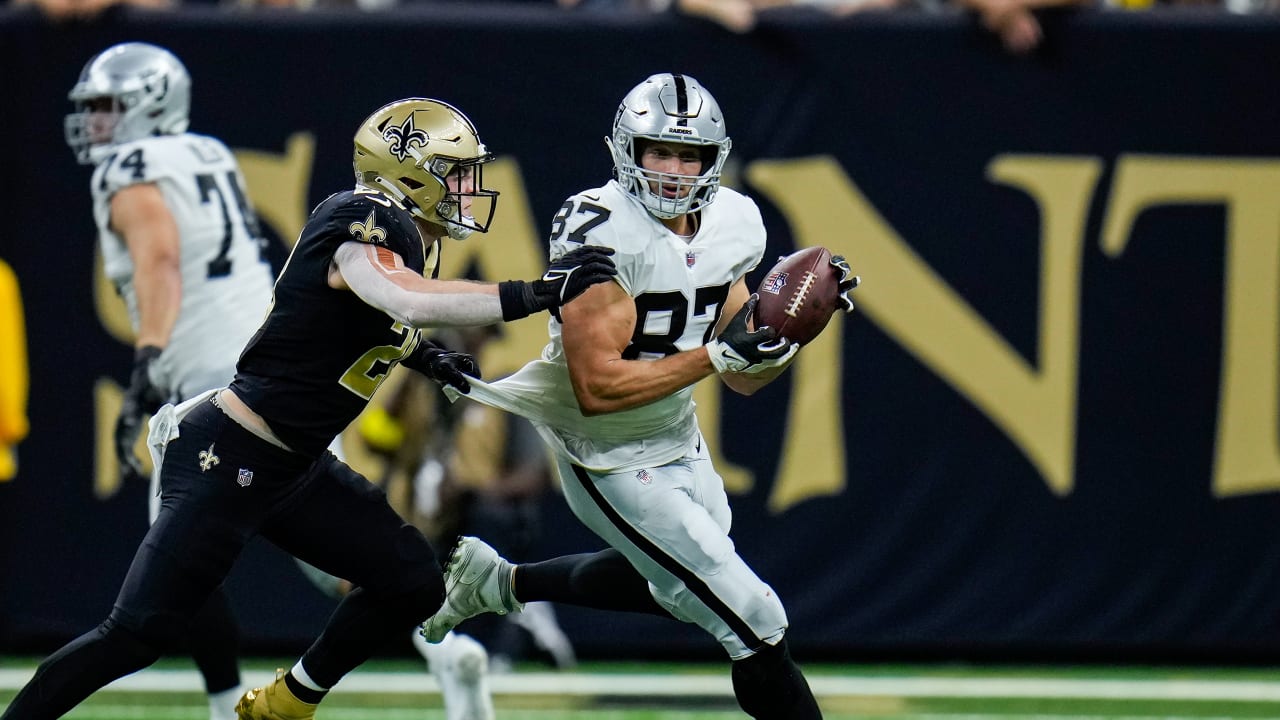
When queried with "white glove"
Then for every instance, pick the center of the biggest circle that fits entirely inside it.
(740, 350)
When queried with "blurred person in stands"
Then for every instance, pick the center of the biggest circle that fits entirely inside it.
(741, 16)
(491, 478)
(1014, 22)
(86, 10)
(182, 247)
(455, 468)
(500, 466)
(13, 373)
(738, 16)
(251, 459)
(612, 397)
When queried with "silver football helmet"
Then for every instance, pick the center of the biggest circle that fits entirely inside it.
(128, 91)
(669, 108)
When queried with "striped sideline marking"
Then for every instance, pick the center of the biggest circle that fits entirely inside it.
(642, 685)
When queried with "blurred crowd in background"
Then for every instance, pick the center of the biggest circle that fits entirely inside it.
(1013, 21)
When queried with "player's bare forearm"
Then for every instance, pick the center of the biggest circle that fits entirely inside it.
(613, 385)
(139, 214)
(597, 329)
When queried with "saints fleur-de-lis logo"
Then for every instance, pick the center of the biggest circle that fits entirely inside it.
(208, 459)
(368, 230)
(404, 136)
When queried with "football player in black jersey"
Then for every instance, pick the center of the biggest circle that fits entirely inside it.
(251, 459)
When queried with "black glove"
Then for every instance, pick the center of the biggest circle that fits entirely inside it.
(443, 365)
(141, 398)
(566, 278)
(848, 281)
(738, 349)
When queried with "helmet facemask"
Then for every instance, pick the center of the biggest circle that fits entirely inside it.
(676, 110)
(127, 92)
(692, 192)
(426, 154)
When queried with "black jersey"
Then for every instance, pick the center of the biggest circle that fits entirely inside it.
(321, 353)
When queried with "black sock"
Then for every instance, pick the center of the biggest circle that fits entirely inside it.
(770, 686)
(302, 692)
(603, 580)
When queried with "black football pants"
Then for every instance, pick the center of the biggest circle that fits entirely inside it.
(321, 511)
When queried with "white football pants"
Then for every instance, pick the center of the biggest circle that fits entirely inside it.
(672, 523)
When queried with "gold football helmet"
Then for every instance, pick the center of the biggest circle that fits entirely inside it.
(427, 154)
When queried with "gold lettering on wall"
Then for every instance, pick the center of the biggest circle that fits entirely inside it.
(1035, 407)
(1247, 453)
(277, 184)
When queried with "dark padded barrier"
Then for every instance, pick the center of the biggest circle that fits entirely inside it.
(1049, 432)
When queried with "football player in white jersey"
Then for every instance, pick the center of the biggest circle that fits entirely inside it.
(612, 396)
(181, 244)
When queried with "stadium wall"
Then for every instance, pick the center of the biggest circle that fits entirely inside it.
(1050, 431)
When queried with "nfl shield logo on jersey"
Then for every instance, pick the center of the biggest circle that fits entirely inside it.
(644, 477)
(774, 282)
(690, 259)
(244, 477)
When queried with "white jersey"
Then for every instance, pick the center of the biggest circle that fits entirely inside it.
(679, 285)
(226, 280)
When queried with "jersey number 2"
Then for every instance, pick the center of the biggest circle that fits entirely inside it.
(367, 373)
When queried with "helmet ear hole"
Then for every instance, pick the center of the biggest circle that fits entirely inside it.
(411, 183)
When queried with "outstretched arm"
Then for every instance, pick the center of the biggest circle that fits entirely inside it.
(597, 329)
(380, 278)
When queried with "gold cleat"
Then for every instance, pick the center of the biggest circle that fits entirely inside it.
(274, 702)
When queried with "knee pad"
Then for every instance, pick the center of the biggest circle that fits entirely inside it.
(764, 612)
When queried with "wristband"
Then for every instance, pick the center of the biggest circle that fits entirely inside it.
(517, 299)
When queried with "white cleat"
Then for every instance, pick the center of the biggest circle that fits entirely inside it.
(461, 668)
(539, 620)
(476, 580)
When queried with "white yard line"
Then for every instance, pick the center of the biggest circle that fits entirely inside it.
(666, 685)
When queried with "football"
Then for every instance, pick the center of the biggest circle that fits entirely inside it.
(798, 296)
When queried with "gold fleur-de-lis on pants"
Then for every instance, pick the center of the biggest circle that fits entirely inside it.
(208, 459)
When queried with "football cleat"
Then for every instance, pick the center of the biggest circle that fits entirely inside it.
(274, 702)
(476, 580)
(461, 668)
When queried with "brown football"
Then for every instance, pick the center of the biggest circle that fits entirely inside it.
(798, 296)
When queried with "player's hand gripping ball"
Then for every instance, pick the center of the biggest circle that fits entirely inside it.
(800, 294)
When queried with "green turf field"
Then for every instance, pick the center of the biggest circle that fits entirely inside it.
(399, 690)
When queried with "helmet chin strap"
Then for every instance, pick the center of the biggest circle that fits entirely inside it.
(450, 211)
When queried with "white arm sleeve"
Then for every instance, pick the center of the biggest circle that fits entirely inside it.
(377, 285)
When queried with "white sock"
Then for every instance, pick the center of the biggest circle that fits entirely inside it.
(304, 679)
(222, 705)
